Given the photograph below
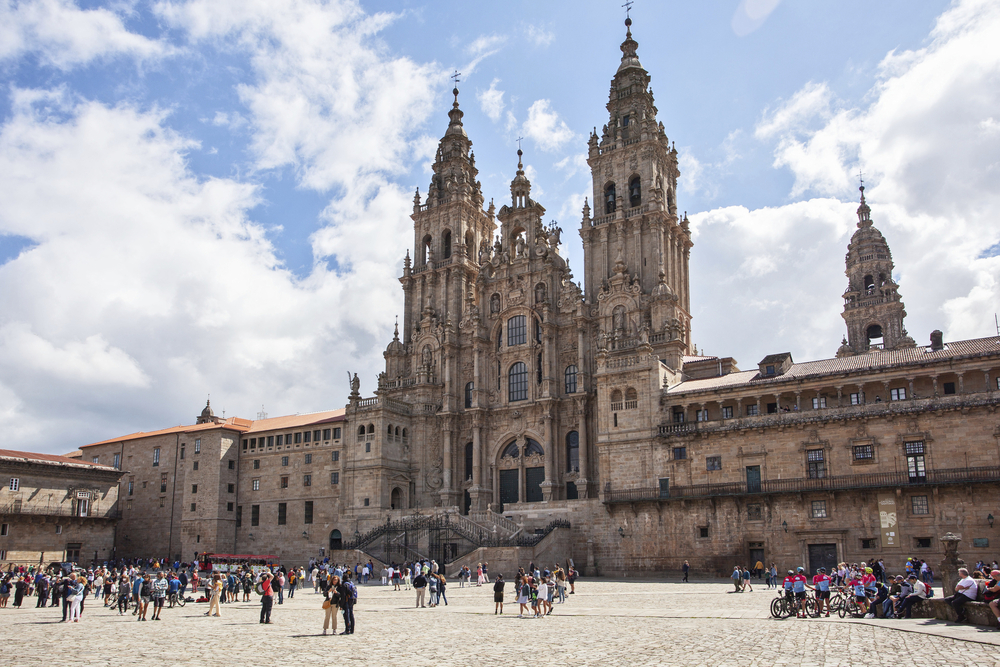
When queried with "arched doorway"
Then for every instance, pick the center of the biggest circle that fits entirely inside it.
(336, 541)
(522, 471)
(396, 499)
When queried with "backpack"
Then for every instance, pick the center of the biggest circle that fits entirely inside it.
(353, 591)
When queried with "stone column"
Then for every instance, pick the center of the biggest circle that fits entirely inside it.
(909, 382)
(477, 387)
(582, 481)
(934, 381)
(580, 368)
(986, 379)
(548, 485)
(798, 401)
(961, 382)
(948, 570)
(446, 486)
(840, 396)
(475, 492)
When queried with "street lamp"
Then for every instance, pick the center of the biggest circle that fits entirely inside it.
(784, 524)
(621, 532)
(990, 519)
(305, 535)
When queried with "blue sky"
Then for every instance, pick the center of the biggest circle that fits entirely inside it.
(212, 196)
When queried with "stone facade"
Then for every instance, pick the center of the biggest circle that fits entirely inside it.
(56, 509)
(515, 401)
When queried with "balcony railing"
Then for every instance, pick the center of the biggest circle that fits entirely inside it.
(906, 406)
(59, 510)
(873, 480)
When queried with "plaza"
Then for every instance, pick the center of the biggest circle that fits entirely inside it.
(612, 622)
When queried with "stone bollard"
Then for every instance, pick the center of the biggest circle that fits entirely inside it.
(949, 566)
(591, 570)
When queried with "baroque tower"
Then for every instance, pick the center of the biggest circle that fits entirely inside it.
(873, 309)
(635, 234)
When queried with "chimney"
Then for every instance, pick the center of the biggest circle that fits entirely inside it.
(937, 342)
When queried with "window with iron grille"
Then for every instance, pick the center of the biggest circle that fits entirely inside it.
(869, 543)
(857, 398)
(816, 463)
(284, 483)
(256, 464)
(334, 478)
(727, 412)
(819, 403)
(335, 456)
(864, 452)
(517, 331)
(284, 460)
(752, 411)
(680, 453)
(307, 480)
(755, 512)
(309, 458)
(336, 433)
(197, 446)
(280, 439)
(517, 382)
(326, 434)
(819, 509)
(309, 512)
(919, 505)
(255, 484)
(282, 513)
(713, 463)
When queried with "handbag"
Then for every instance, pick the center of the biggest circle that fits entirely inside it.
(326, 604)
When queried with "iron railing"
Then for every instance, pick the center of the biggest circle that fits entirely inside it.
(972, 475)
(16, 508)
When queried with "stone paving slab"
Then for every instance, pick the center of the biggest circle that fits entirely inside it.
(610, 622)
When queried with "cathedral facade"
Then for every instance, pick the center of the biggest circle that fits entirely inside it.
(519, 409)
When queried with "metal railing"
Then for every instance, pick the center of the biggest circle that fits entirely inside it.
(16, 508)
(795, 485)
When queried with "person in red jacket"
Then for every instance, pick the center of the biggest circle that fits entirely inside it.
(267, 599)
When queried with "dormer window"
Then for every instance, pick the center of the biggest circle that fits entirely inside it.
(770, 370)
(775, 364)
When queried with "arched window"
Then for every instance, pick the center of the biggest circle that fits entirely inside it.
(631, 399)
(371, 428)
(609, 199)
(361, 430)
(616, 399)
(397, 432)
(468, 461)
(634, 192)
(869, 285)
(517, 382)
(469, 386)
(510, 451)
(532, 447)
(874, 333)
(390, 430)
(517, 330)
(446, 245)
(396, 499)
(570, 378)
(573, 451)
(404, 434)
(336, 540)
(426, 251)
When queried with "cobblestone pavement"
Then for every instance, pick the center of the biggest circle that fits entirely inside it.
(612, 622)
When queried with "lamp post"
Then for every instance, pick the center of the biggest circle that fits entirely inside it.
(990, 519)
(621, 532)
(784, 524)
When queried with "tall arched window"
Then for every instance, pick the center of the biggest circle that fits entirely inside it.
(371, 428)
(609, 199)
(570, 378)
(446, 245)
(517, 330)
(532, 447)
(573, 451)
(389, 432)
(510, 451)
(634, 192)
(631, 399)
(426, 251)
(469, 386)
(336, 540)
(517, 382)
(616, 399)
(468, 461)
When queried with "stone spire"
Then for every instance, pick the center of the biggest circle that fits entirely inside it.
(455, 116)
(629, 47)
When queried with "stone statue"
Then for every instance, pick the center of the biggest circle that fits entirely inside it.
(602, 341)
(618, 317)
(495, 303)
(520, 246)
(554, 236)
(355, 383)
(426, 357)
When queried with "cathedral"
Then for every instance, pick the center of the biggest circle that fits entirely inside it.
(524, 415)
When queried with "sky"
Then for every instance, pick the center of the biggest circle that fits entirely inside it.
(211, 197)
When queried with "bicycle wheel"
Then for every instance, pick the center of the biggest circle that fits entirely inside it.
(776, 607)
(842, 609)
(812, 607)
(181, 601)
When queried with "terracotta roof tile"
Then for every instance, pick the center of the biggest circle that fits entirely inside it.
(874, 360)
(50, 458)
(294, 421)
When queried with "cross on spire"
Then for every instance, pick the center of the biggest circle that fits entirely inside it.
(628, 7)
(455, 77)
(519, 142)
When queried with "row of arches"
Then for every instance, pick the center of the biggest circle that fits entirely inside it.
(428, 252)
(611, 195)
(392, 432)
(517, 382)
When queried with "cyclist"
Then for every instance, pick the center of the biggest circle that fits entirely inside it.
(175, 587)
(821, 584)
(788, 584)
(858, 589)
(799, 588)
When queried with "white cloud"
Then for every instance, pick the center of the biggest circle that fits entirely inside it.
(925, 141)
(571, 165)
(539, 36)
(545, 127)
(481, 48)
(751, 14)
(63, 35)
(491, 101)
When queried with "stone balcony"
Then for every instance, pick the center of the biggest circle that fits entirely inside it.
(847, 412)
(875, 480)
(61, 510)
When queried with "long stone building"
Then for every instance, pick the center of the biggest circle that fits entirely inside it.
(519, 410)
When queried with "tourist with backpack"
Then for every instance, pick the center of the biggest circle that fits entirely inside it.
(348, 598)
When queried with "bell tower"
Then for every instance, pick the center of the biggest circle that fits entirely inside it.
(873, 309)
(634, 237)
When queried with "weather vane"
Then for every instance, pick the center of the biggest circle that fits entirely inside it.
(861, 177)
(628, 7)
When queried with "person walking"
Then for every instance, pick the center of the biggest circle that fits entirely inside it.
(279, 586)
(266, 599)
(216, 598)
(159, 590)
(442, 584)
(348, 598)
(420, 586)
(331, 604)
(77, 597)
(686, 569)
(498, 586)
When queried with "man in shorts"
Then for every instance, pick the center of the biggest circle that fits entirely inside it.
(821, 584)
(799, 588)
